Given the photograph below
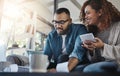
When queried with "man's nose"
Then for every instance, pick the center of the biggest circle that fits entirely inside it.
(58, 25)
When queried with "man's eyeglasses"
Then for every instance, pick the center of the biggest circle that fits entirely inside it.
(59, 22)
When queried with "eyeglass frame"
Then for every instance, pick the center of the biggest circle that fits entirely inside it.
(60, 22)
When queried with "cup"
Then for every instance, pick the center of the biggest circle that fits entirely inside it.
(11, 68)
(38, 62)
(8, 67)
(3, 65)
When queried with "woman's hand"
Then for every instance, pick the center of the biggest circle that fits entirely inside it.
(90, 45)
(99, 43)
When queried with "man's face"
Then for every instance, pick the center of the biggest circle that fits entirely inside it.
(61, 23)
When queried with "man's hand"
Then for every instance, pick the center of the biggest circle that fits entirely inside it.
(53, 70)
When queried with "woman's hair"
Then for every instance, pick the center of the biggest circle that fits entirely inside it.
(109, 12)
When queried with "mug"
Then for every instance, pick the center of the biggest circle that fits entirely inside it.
(38, 62)
(3, 65)
(8, 67)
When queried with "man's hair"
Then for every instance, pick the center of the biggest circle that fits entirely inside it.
(61, 10)
(110, 12)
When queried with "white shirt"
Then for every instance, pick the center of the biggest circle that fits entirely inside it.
(63, 44)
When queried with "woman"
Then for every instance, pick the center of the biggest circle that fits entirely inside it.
(103, 20)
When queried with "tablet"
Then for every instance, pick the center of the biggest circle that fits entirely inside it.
(88, 36)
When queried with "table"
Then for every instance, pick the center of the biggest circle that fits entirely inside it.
(59, 74)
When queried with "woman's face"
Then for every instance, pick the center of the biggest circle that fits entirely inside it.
(91, 16)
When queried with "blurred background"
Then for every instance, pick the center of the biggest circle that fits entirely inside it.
(25, 24)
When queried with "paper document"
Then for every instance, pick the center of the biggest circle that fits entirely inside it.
(88, 36)
(62, 67)
(14, 67)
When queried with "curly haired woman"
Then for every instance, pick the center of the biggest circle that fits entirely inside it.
(103, 20)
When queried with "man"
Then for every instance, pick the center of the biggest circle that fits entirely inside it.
(60, 42)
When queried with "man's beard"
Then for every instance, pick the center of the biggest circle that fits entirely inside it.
(63, 32)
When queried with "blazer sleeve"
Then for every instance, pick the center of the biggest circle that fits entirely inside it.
(112, 49)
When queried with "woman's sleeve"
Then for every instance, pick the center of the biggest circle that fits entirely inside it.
(111, 51)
